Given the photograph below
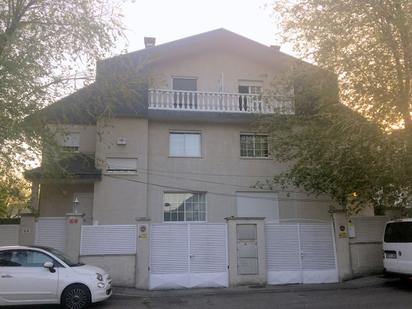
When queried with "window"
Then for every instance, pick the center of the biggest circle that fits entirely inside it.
(24, 258)
(185, 98)
(258, 204)
(184, 144)
(400, 232)
(254, 145)
(122, 165)
(250, 94)
(184, 207)
(70, 141)
(184, 83)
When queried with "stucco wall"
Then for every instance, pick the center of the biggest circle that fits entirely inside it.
(87, 142)
(120, 198)
(220, 172)
(120, 267)
(57, 199)
(208, 67)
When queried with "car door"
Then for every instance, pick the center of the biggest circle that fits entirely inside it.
(23, 279)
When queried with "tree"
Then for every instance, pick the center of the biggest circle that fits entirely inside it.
(14, 195)
(331, 148)
(368, 44)
(41, 41)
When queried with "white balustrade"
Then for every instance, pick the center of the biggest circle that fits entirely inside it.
(201, 101)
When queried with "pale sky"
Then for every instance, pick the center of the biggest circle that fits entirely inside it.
(169, 20)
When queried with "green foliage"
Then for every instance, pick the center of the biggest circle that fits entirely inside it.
(368, 44)
(329, 147)
(14, 194)
(41, 44)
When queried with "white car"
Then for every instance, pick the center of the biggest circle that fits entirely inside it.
(42, 275)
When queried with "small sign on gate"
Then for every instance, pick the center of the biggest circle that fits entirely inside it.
(142, 230)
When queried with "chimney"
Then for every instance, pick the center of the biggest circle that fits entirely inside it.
(275, 47)
(149, 42)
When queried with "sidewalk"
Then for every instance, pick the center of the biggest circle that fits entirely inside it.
(364, 282)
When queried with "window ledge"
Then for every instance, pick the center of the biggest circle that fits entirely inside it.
(185, 157)
(256, 158)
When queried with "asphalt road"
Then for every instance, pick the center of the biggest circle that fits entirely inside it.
(395, 294)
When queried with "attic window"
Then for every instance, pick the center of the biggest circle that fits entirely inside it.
(121, 165)
(70, 141)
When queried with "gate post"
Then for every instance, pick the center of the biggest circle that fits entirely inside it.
(74, 222)
(143, 253)
(27, 229)
(340, 222)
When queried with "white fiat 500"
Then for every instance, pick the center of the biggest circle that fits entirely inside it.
(42, 275)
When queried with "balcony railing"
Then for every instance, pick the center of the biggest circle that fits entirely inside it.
(201, 101)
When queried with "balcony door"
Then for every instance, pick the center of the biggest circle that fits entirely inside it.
(184, 96)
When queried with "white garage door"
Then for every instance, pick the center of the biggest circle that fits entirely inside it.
(188, 255)
(300, 253)
(51, 232)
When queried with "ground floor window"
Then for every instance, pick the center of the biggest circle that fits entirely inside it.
(185, 206)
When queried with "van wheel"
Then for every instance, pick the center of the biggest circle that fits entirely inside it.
(76, 296)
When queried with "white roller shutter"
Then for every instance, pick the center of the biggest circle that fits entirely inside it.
(51, 232)
(188, 255)
(283, 254)
(318, 253)
(169, 249)
(108, 239)
(300, 253)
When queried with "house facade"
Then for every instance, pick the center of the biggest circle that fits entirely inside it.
(164, 174)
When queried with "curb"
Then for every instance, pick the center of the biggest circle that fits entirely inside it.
(367, 282)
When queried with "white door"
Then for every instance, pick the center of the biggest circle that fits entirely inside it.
(300, 253)
(188, 255)
(23, 279)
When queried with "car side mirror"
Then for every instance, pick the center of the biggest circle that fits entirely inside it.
(49, 265)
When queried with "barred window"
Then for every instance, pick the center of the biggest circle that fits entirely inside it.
(254, 145)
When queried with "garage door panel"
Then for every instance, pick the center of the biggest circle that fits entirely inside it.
(169, 249)
(207, 248)
(300, 253)
(188, 255)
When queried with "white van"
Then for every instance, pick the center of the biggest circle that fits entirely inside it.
(397, 248)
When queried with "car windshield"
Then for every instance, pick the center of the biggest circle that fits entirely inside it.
(398, 232)
(62, 256)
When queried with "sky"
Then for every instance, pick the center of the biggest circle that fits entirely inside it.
(168, 20)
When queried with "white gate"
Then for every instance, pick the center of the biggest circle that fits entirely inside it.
(188, 255)
(51, 232)
(300, 253)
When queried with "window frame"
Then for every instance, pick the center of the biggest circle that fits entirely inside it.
(66, 148)
(184, 155)
(185, 221)
(254, 145)
(121, 171)
(173, 77)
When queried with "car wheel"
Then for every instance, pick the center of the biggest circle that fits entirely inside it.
(76, 296)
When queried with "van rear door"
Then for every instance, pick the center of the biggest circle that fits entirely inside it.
(397, 246)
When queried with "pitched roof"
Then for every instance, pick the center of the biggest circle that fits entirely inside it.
(118, 92)
(74, 166)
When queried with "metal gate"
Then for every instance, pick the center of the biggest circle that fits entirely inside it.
(188, 255)
(300, 253)
(51, 232)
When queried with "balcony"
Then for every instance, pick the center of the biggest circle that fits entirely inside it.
(200, 101)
